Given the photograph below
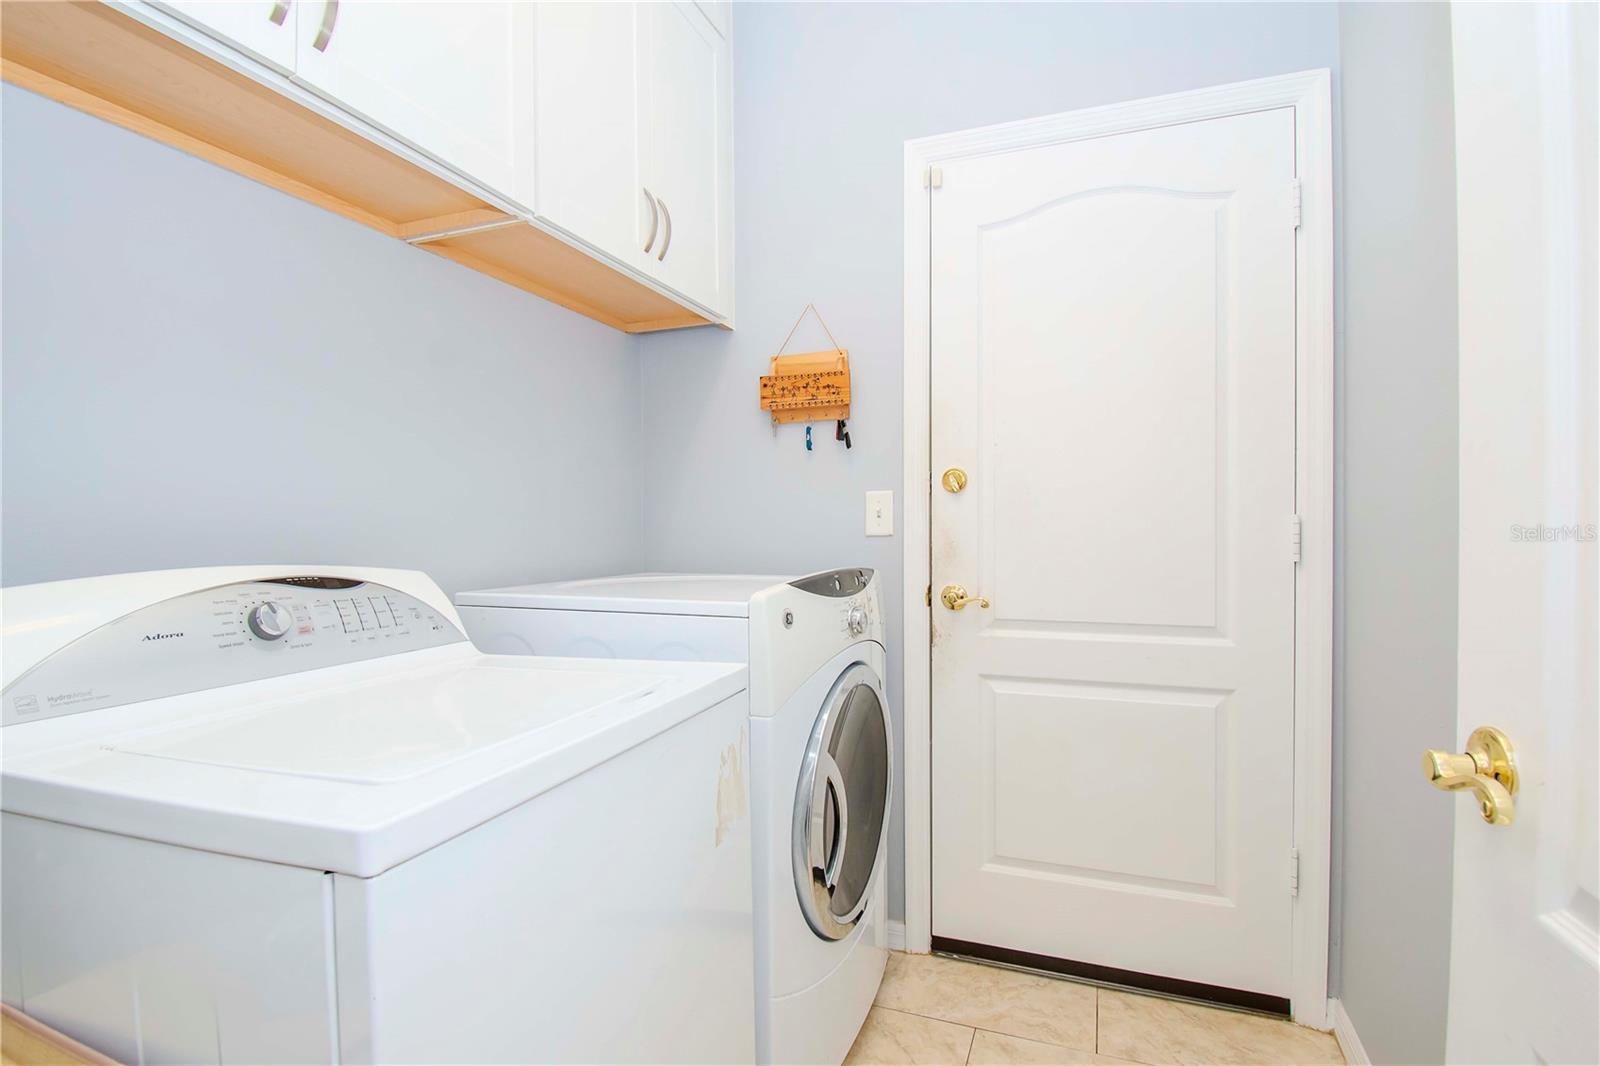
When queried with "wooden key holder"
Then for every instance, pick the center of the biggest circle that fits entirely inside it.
(807, 387)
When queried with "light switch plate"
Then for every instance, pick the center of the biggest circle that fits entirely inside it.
(880, 513)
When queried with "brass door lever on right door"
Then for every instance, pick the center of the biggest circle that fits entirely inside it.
(1488, 767)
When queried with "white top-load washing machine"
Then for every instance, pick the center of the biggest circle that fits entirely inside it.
(269, 814)
(820, 759)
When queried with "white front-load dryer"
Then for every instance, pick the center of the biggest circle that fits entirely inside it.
(821, 754)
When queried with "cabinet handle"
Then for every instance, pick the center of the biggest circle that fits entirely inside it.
(330, 15)
(280, 11)
(666, 238)
(655, 220)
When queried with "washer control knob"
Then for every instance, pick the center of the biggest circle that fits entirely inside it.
(270, 620)
(856, 620)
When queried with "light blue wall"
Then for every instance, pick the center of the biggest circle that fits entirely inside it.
(1398, 542)
(198, 369)
(825, 95)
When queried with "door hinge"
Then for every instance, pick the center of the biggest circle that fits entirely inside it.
(1294, 538)
(1294, 871)
(933, 178)
(1294, 202)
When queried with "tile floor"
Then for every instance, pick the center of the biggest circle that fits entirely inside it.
(933, 1011)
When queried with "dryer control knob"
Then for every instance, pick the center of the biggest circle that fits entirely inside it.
(856, 620)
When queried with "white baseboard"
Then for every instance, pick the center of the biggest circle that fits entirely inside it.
(897, 935)
(1345, 1031)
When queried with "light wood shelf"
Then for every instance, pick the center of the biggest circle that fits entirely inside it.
(26, 1042)
(100, 61)
(522, 255)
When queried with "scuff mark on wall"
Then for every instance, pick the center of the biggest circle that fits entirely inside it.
(733, 789)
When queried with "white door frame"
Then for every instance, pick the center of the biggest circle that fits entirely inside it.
(1309, 93)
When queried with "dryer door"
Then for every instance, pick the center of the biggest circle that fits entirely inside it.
(842, 804)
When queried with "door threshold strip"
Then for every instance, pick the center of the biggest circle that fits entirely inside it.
(1112, 977)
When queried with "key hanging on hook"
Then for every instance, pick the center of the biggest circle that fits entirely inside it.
(808, 438)
(841, 433)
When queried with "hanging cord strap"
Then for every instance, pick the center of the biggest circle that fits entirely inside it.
(812, 308)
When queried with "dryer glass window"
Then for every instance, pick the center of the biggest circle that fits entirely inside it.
(860, 749)
(842, 804)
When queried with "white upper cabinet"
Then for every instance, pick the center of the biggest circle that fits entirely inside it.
(684, 149)
(575, 128)
(454, 79)
(263, 28)
(632, 127)
(587, 129)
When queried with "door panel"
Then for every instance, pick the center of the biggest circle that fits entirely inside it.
(1113, 363)
(1126, 833)
(1068, 380)
(685, 77)
(453, 79)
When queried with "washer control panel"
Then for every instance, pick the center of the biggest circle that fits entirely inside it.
(226, 636)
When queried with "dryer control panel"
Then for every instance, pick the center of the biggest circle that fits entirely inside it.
(796, 627)
(856, 610)
(226, 635)
(835, 583)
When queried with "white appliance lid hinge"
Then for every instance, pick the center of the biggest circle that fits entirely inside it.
(1294, 538)
(933, 178)
(1294, 202)
(1294, 871)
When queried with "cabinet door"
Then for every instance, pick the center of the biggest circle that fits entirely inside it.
(587, 129)
(683, 97)
(264, 28)
(453, 79)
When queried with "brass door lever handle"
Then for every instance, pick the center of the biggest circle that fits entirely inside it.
(1488, 767)
(955, 597)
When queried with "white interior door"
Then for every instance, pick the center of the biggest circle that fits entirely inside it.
(1113, 366)
(454, 79)
(1524, 944)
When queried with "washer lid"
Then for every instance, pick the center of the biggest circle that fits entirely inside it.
(355, 768)
(390, 730)
(717, 595)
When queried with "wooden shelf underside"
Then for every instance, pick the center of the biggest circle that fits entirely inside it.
(95, 59)
(26, 1042)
